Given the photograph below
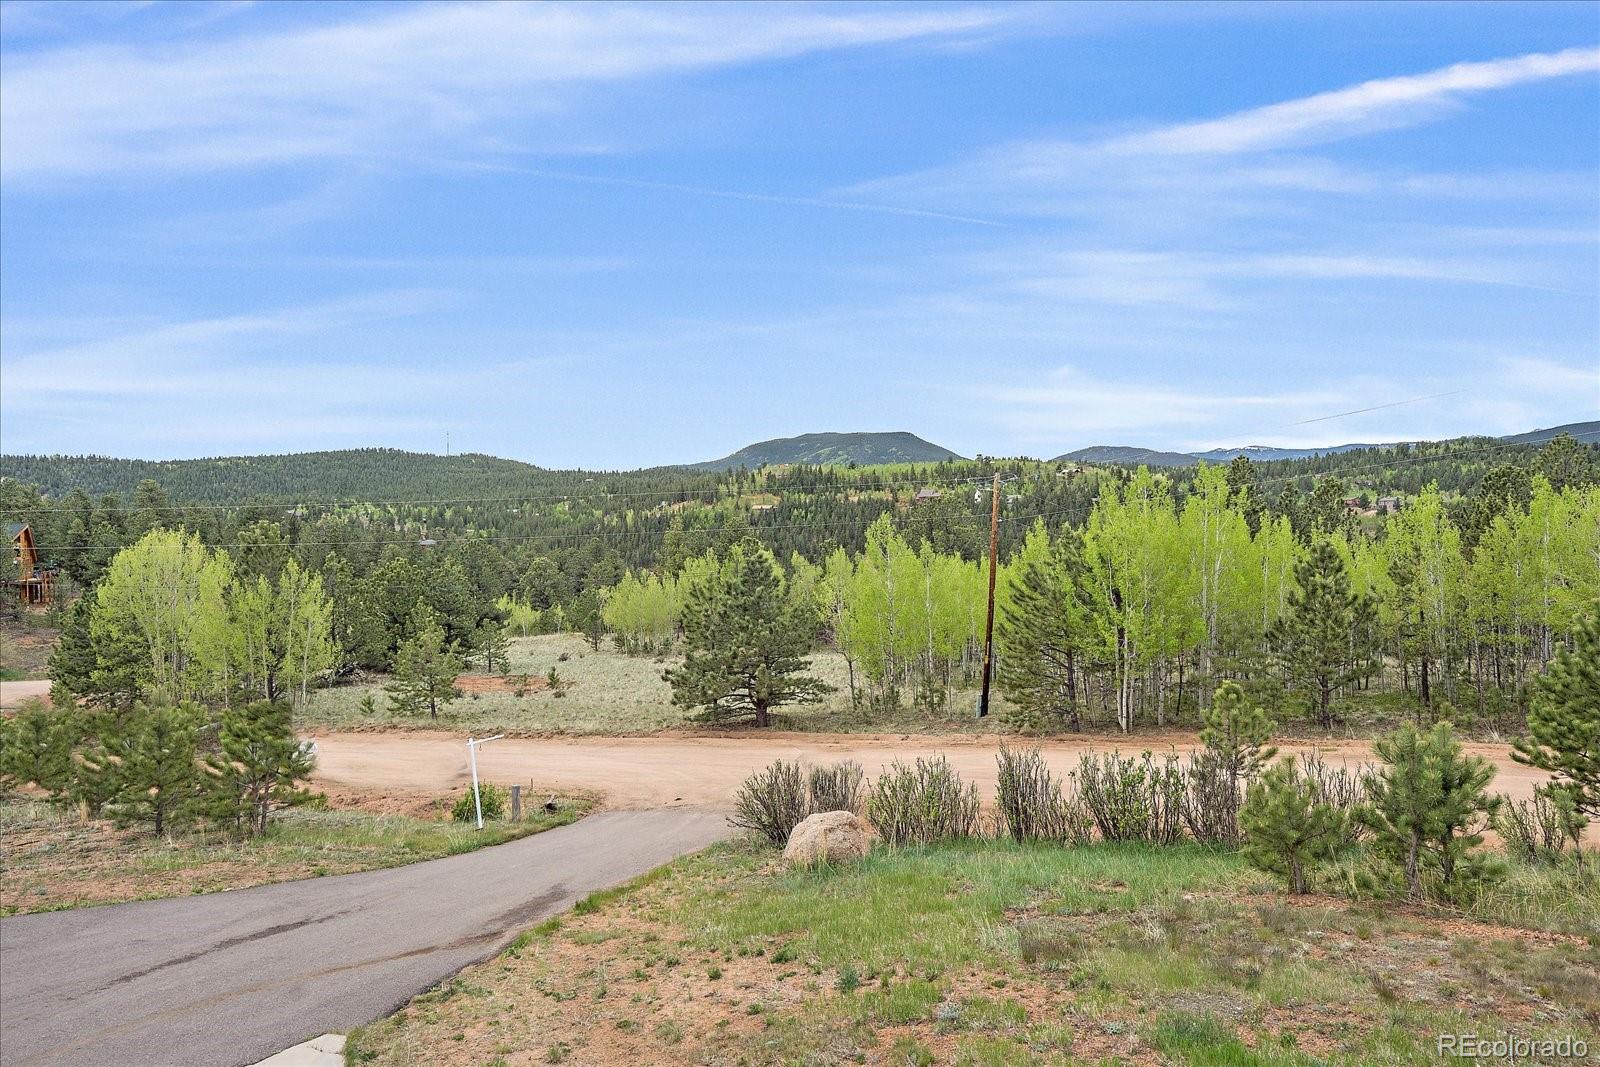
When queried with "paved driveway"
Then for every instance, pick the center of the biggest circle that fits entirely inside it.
(231, 978)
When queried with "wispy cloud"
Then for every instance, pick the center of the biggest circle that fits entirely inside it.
(392, 84)
(1382, 103)
(1247, 161)
(1072, 408)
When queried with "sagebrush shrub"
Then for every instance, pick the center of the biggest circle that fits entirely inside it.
(923, 803)
(1539, 830)
(836, 787)
(1031, 804)
(772, 802)
(1133, 799)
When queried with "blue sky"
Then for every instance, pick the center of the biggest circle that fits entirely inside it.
(614, 236)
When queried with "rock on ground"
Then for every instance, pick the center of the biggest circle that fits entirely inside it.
(828, 837)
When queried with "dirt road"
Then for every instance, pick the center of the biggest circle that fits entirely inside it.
(703, 772)
(12, 694)
(230, 978)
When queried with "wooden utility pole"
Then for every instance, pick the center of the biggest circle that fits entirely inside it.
(988, 626)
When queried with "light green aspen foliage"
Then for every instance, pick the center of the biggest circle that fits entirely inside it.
(166, 595)
(1428, 576)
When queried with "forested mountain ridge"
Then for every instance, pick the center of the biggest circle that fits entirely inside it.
(1131, 455)
(349, 474)
(832, 449)
(1269, 453)
(1126, 456)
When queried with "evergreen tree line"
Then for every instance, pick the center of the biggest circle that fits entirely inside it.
(164, 766)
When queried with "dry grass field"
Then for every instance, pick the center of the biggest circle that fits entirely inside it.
(610, 693)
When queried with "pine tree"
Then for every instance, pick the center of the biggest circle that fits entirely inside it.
(1235, 734)
(587, 616)
(1563, 461)
(746, 642)
(258, 768)
(1564, 723)
(1322, 638)
(38, 748)
(425, 668)
(1286, 826)
(157, 775)
(1427, 801)
(1044, 633)
(1243, 492)
(494, 642)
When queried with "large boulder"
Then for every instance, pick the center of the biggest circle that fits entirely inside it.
(828, 837)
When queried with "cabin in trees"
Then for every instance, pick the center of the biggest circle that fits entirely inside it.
(32, 582)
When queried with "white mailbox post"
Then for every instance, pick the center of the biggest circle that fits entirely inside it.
(472, 758)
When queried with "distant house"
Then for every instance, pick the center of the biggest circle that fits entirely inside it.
(1068, 472)
(927, 494)
(1353, 503)
(1388, 504)
(32, 582)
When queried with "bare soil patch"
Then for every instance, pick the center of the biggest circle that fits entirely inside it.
(702, 769)
(493, 683)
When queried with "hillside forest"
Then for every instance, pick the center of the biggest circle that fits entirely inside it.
(1434, 580)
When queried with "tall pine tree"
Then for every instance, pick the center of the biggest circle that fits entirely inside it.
(425, 668)
(1322, 638)
(746, 642)
(1045, 636)
(1564, 724)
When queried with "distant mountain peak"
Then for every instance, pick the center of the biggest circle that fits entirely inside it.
(1133, 456)
(833, 449)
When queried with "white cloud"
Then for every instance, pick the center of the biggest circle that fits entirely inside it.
(1071, 404)
(1072, 408)
(1215, 281)
(1240, 163)
(395, 82)
(1378, 104)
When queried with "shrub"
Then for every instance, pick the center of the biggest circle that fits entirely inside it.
(494, 803)
(1032, 807)
(836, 787)
(1211, 800)
(1539, 830)
(772, 802)
(923, 803)
(1286, 827)
(1133, 799)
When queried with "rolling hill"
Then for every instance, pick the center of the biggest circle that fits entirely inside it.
(832, 449)
(359, 473)
(1128, 455)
